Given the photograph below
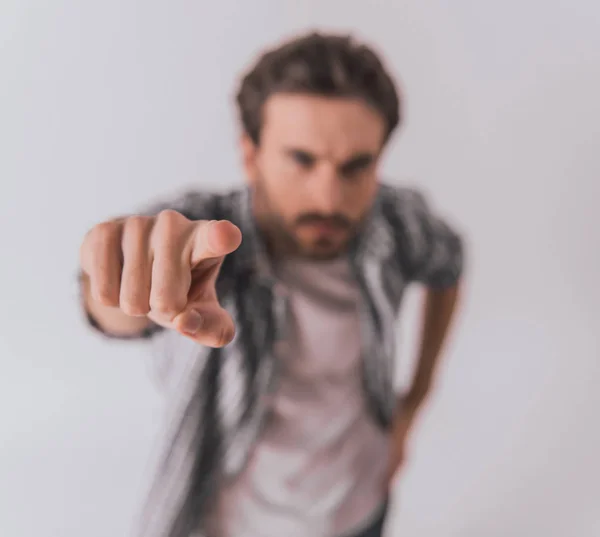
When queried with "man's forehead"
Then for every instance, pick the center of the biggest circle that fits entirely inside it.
(322, 124)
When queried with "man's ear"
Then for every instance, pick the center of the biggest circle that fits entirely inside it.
(249, 152)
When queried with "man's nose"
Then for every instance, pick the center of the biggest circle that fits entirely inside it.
(326, 189)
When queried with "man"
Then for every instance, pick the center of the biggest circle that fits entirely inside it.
(275, 305)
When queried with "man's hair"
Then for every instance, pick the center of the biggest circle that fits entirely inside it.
(318, 64)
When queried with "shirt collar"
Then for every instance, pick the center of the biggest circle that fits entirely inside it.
(375, 241)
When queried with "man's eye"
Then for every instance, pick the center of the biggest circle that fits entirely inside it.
(356, 167)
(352, 173)
(304, 159)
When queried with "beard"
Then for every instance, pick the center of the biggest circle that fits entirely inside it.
(283, 238)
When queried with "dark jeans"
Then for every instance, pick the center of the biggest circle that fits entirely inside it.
(376, 528)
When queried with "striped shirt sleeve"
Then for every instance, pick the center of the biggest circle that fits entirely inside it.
(432, 250)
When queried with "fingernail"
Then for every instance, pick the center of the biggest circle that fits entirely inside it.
(192, 322)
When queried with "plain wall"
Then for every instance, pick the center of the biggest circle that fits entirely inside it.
(105, 105)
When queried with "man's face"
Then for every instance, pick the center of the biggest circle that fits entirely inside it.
(314, 171)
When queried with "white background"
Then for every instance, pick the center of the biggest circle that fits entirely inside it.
(105, 105)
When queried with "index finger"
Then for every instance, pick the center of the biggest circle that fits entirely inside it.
(214, 239)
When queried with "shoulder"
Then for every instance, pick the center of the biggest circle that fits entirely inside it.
(427, 242)
(407, 211)
(402, 200)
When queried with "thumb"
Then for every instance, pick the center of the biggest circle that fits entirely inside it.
(207, 324)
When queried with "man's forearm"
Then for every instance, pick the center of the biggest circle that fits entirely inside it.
(438, 311)
(437, 314)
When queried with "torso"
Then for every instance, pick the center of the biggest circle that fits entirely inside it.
(318, 466)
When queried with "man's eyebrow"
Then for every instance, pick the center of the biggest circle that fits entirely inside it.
(358, 160)
(296, 150)
(361, 159)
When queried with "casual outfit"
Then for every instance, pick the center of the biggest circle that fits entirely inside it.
(285, 430)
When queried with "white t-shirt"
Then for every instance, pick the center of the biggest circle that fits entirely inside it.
(318, 468)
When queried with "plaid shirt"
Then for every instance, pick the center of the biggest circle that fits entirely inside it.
(219, 401)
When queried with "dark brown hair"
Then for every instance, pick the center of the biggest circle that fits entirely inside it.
(319, 64)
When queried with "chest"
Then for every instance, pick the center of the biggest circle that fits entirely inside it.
(319, 327)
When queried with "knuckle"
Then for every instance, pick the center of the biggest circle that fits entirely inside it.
(104, 231)
(169, 228)
(169, 219)
(106, 296)
(100, 241)
(134, 307)
(138, 225)
(164, 306)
